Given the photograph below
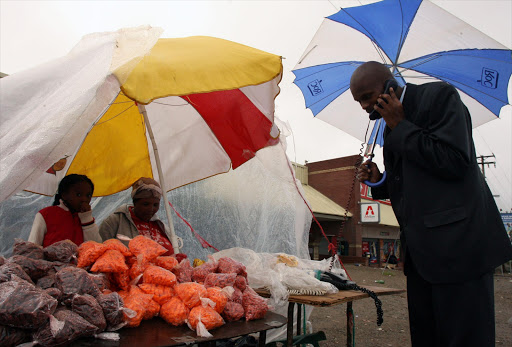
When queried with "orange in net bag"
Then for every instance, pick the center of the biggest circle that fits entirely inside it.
(167, 262)
(118, 246)
(137, 268)
(218, 296)
(110, 261)
(89, 251)
(174, 311)
(158, 275)
(139, 304)
(201, 319)
(190, 293)
(161, 294)
(152, 310)
(147, 247)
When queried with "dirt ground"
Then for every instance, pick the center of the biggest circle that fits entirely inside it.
(395, 329)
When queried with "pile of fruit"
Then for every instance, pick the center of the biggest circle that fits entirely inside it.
(55, 297)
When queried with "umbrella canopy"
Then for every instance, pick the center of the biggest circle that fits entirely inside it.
(419, 41)
(209, 106)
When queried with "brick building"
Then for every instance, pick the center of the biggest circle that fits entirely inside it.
(373, 233)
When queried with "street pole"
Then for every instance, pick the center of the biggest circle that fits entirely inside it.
(483, 162)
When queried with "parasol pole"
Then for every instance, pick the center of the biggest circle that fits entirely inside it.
(174, 238)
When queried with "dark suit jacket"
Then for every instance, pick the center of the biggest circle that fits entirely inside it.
(451, 227)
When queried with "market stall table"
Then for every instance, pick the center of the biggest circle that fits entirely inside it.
(156, 332)
(341, 297)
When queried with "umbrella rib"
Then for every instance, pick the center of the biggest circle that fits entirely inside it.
(114, 116)
(162, 103)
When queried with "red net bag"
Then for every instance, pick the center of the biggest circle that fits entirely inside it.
(157, 275)
(89, 251)
(174, 311)
(255, 307)
(117, 245)
(183, 271)
(233, 311)
(112, 305)
(90, 310)
(167, 262)
(110, 261)
(64, 251)
(240, 283)
(73, 280)
(237, 296)
(141, 245)
(229, 265)
(35, 268)
(7, 270)
(27, 249)
(190, 293)
(161, 294)
(199, 273)
(209, 318)
(218, 297)
(220, 280)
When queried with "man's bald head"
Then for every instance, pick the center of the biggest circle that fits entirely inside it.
(371, 72)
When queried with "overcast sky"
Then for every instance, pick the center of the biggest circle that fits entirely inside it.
(33, 32)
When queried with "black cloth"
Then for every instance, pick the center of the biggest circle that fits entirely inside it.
(449, 222)
(453, 314)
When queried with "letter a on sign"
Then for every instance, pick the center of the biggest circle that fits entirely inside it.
(369, 211)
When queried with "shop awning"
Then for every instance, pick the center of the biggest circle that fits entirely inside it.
(323, 207)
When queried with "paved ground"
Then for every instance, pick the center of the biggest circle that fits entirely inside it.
(395, 329)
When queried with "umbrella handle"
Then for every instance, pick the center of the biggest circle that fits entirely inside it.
(377, 184)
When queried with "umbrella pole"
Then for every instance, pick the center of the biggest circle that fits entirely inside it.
(174, 238)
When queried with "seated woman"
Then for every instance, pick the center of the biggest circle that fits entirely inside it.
(140, 218)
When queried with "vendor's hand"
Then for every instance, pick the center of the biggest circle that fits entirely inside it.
(368, 171)
(84, 207)
(390, 108)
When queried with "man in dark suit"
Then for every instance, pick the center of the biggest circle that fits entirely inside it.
(451, 229)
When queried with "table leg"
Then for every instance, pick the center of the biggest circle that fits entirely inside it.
(299, 319)
(350, 324)
(289, 326)
(263, 338)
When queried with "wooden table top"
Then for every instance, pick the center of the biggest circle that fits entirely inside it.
(335, 299)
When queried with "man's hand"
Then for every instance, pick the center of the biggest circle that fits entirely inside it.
(390, 108)
(368, 171)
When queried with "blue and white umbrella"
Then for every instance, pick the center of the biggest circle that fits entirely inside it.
(419, 41)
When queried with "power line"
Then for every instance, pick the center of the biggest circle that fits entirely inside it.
(483, 162)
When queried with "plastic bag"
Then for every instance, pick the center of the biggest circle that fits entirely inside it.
(35, 268)
(101, 280)
(65, 251)
(10, 337)
(46, 282)
(73, 280)
(157, 275)
(199, 273)
(183, 271)
(137, 303)
(64, 326)
(138, 267)
(110, 261)
(152, 310)
(190, 293)
(54, 293)
(147, 247)
(237, 296)
(220, 280)
(161, 294)
(27, 249)
(89, 251)
(204, 318)
(233, 311)
(112, 306)
(174, 311)
(9, 269)
(255, 307)
(90, 310)
(218, 297)
(2, 260)
(117, 245)
(22, 305)
(167, 262)
(229, 265)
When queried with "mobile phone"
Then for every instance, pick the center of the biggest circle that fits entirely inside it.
(391, 83)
